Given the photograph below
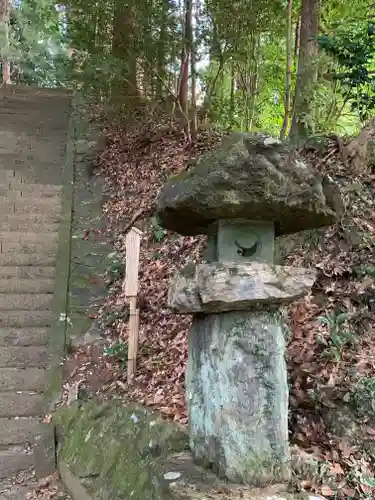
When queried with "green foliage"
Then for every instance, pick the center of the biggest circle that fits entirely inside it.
(363, 398)
(114, 272)
(368, 240)
(159, 231)
(339, 336)
(36, 44)
(119, 351)
(239, 48)
(95, 73)
(354, 53)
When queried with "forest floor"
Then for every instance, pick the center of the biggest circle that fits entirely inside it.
(331, 344)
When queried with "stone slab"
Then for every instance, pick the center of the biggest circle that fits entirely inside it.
(47, 248)
(26, 237)
(27, 272)
(16, 258)
(50, 176)
(22, 206)
(17, 285)
(14, 460)
(38, 218)
(28, 379)
(232, 286)
(9, 175)
(20, 405)
(25, 196)
(17, 431)
(23, 336)
(25, 301)
(27, 187)
(23, 357)
(9, 208)
(15, 492)
(25, 318)
(30, 226)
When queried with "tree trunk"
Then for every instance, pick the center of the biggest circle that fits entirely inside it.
(232, 95)
(296, 36)
(4, 41)
(194, 121)
(253, 80)
(288, 73)
(183, 91)
(123, 46)
(161, 53)
(306, 74)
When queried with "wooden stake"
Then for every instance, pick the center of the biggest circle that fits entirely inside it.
(133, 336)
(133, 241)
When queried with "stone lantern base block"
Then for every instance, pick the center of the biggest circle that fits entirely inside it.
(238, 396)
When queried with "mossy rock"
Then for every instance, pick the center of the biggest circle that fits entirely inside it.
(116, 445)
(129, 452)
(250, 176)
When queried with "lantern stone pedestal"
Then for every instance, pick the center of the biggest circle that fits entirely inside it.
(241, 196)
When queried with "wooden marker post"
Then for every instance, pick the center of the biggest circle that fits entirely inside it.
(133, 241)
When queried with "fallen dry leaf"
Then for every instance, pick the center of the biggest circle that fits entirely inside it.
(327, 491)
(337, 469)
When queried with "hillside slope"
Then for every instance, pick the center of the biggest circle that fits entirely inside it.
(331, 341)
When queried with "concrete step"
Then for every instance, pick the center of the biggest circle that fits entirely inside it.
(19, 285)
(16, 404)
(33, 336)
(25, 301)
(16, 258)
(16, 195)
(28, 248)
(27, 379)
(39, 237)
(16, 492)
(9, 207)
(20, 225)
(27, 272)
(41, 219)
(14, 460)
(9, 175)
(34, 206)
(49, 176)
(23, 357)
(17, 431)
(29, 188)
(24, 318)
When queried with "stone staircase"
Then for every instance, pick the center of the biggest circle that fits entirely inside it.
(33, 138)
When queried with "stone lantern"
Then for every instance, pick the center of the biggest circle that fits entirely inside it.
(251, 189)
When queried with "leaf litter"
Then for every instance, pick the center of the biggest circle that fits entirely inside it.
(331, 333)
